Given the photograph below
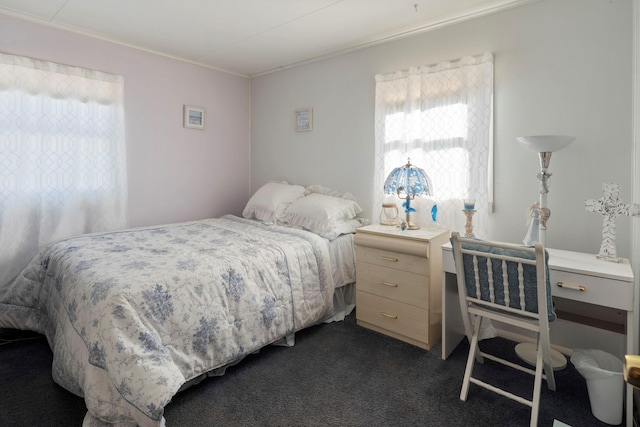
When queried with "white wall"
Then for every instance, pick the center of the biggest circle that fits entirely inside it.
(174, 174)
(561, 66)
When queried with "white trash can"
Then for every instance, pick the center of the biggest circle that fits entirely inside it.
(603, 373)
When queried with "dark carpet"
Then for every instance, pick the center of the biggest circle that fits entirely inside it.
(337, 374)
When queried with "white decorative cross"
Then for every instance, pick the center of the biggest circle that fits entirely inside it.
(610, 207)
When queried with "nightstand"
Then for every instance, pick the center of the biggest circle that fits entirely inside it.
(399, 282)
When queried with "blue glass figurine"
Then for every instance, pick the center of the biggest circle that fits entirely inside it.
(407, 210)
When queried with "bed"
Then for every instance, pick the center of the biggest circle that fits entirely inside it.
(134, 316)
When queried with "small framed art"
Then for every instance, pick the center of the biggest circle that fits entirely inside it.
(193, 117)
(304, 119)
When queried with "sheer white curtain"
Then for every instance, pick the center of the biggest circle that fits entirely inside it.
(441, 117)
(62, 156)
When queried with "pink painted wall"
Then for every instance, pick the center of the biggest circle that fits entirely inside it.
(175, 174)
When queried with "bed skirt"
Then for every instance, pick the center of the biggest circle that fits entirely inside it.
(344, 301)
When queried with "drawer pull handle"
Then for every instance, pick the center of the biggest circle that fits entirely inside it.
(571, 286)
(391, 316)
(386, 258)
(393, 285)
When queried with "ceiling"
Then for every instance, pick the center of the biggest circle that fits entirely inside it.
(250, 37)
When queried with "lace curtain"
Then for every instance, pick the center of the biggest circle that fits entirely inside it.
(440, 116)
(62, 156)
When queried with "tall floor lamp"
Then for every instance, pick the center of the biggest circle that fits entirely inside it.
(544, 145)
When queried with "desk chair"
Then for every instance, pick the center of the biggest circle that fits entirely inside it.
(507, 283)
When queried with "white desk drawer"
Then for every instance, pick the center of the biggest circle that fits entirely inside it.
(448, 262)
(594, 290)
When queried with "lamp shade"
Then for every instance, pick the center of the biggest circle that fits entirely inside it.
(408, 181)
(546, 143)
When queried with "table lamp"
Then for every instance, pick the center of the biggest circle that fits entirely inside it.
(407, 182)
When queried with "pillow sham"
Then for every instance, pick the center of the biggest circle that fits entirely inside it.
(328, 192)
(338, 228)
(269, 203)
(325, 215)
(321, 208)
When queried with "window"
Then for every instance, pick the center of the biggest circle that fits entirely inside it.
(62, 156)
(439, 116)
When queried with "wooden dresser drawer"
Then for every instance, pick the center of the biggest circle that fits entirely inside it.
(398, 261)
(398, 285)
(401, 319)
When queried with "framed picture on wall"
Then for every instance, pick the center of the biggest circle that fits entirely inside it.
(193, 117)
(304, 119)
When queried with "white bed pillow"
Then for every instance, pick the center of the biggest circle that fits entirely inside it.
(328, 192)
(325, 215)
(331, 230)
(269, 203)
(338, 228)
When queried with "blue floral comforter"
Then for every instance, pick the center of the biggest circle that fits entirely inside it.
(131, 316)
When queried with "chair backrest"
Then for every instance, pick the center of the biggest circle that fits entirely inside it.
(504, 277)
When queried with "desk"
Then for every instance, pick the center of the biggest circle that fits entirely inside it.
(577, 278)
